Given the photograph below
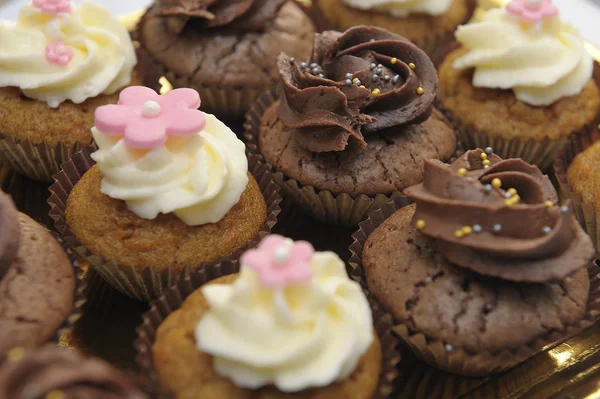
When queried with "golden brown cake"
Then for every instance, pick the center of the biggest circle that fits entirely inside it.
(584, 175)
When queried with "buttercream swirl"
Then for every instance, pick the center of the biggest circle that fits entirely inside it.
(102, 54)
(364, 81)
(243, 15)
(500, 221)
(541, 63)
(403, 8)
(199, 178)
(296, 337)
(71, 376)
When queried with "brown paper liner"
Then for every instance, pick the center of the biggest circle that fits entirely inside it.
(585, 212)
(172, 298)
(539, 152)
(36, 161)
(148, 283)
(337, 209)
(433, 351)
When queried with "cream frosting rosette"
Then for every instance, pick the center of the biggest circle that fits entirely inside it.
(57, 52)
(403, 8)
(293, 319)
(160, 154)
(528, 49)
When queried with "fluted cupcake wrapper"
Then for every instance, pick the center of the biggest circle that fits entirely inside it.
(456, 360)
(585, 212)
(172, 298)
(36, 161)
(143, 284)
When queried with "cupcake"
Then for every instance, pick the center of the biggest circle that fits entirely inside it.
(290, 324)
(485, 252)
(430, 24)
(58, 63)
(226, 50)
(520, 81)
(351, 127)
(54, 373)
(37, 282)
(171, 190)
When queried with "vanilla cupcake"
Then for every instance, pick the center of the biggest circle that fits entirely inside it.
(58, 63)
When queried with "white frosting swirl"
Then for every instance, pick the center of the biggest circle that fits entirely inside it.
(199, 178)
(300, 337)
(103, 54)
(403, 8)
(541, 64)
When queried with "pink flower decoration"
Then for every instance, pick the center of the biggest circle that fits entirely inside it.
(58, 53)
(146, 119)
(279, 262)
(532, 11)
(53, 7)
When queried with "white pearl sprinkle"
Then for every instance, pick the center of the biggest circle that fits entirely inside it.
(564, 209)
(477, 228)
(489, 150)
(488, 188)
(497, 228)
(150, 109)
(449, 348)
(281, 254)
(547, 230)
(507, 195)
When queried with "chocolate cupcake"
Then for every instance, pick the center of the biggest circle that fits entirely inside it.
(37, 281)
(225, 49)
(351, 127)
(52, 373)
(486, 251)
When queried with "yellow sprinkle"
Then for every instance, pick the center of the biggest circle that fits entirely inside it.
(362, 86)
(56, 394)
(486, 162)
(459, 234)
(549, 204)
(462, 172)
(394, 60)
(420, 91)
(512, 191)
(467, 230)
(412, 66)
(496, 183)
(354, 80)
(421, 224)
(483, 156)
(375, 93)
(512, 201)
(15, 354)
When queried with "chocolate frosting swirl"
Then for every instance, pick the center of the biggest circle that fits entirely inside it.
(243, 15)
(500, 221)
(9, 233)
(363, 81)
(51, 369)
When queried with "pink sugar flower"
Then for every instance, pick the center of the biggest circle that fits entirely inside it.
(58, 53)
(280, 262)
(532, 11)
(146, 119)
(53, 7)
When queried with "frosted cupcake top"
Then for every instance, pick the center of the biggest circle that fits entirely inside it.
(160, 154)
(293, 319)
(403, 8)
(526, 48)
(57, 52)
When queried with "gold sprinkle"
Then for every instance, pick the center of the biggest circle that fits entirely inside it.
(420, 91)
(421, 224)
(56, 394)
(512, 201)
(496, 183)
(394, 61)
(459, 234)
(483, 156)
(362, 86)
(354, 80)
(412, 66)
(15, 354)
(512, 191)
(462, 172)
(549, 204)
(467, 230)
(486, 162)
(375, 93)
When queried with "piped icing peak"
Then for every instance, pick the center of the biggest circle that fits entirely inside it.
(305, 326)
(526, 48)
(160, 154)
(363, 81)
(9, 233)
(499, 218)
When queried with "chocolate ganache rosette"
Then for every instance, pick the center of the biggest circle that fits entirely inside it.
(499, 218)
(364, 81)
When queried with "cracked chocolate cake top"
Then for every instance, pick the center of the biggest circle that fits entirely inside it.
(9, 233)
(363, 81)
(51, 372)
(499, 218)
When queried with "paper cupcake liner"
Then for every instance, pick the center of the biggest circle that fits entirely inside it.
(36, 161)
(458, 361)
(337, 209)
(148, 283)
(585, 212)
(172, 298)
